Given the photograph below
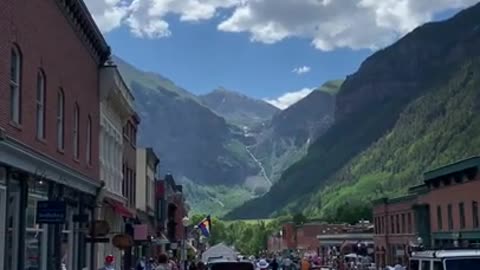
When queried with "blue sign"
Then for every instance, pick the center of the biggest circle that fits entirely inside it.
(51, 212)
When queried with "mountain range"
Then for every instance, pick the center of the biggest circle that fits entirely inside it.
(409, 108)
(225, 147)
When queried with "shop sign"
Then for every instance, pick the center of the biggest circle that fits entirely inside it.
(100, 228)
(122, 241)
(51, 212)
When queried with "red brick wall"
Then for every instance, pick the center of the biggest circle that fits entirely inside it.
(289, 235)
(454, 194)
(47, 41)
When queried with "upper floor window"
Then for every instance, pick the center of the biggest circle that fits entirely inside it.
(409, 223)
(76, 127)
(40, 108)
(439, 218)
(475, 214)
(89, 141)
(461, 210)
(60, 120)
(450, 217)
(15, 87)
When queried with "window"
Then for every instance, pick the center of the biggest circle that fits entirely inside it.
(437, 265)
(461, 210)
(15, 87)
(425, 265)
(40, 109)
(475, 214)
(439, 218)
(88, 150)
(76, 127)
(392, 224)
(404, 228)
(450, 217)
(60, 120)
(397, 221)
(409, 222)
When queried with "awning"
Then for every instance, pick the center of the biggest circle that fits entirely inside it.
(120, 209)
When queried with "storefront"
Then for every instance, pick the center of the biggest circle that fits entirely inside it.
(26, 243)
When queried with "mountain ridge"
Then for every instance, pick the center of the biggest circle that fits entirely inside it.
(368, 105)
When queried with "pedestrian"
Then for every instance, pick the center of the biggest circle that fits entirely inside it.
(163, 262)
(274, 264)
(109, 263)
(262, 264)
(192, 265)
(201, 266)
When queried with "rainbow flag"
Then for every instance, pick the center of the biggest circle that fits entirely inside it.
(205, 226)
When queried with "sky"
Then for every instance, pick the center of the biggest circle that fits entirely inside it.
(276, 50)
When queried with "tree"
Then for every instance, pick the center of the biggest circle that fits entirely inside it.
(299, 219)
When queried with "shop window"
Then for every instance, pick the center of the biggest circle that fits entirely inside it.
(437, 265)
(450, 217)
(461, 210)
(40, 102)
(475, 214)
(414, 264)
(403, 224)
(15, 85)
(439, 218)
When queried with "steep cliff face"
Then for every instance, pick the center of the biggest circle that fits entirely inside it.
(193, 142)
(369, 104)
(238, 109)
(285, 139)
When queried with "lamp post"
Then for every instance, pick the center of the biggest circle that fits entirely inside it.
(185, 222)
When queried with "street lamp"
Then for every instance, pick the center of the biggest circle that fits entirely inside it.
(185, 222)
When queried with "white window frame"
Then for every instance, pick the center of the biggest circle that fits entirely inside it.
(76, 129)
(88, 145)
(15, 85)
(40, 109)
(60, 120)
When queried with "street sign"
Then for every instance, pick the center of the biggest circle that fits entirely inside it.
(51, 212)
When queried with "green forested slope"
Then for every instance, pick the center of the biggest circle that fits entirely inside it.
(436, 129)
(369, 105)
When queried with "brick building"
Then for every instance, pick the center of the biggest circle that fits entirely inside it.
(50, 54)
(129, 176)
(440, 213)
(395, 229)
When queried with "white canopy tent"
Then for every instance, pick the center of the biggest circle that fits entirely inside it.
(219, 251)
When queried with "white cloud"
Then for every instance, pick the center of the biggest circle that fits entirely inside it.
(331, 24)
(146, 18)
(301, 70)
(290, 98)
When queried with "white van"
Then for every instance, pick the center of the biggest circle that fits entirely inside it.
(457, 259)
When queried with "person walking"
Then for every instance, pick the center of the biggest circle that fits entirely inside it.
(109, 263)
(163, 262)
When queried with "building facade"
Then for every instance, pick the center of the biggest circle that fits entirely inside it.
(129, 169)
(440, 213)
(395, 229)
(49, 122)
(147, 164)
(116, 107)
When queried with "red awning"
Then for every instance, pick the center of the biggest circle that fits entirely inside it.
(120, 209)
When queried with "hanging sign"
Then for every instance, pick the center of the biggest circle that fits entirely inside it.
(51, 212)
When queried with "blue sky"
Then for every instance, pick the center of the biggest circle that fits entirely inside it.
(200, 58)
(254, 46)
